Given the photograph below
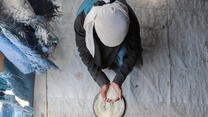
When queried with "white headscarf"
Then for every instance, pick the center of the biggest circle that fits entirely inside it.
(111, 24)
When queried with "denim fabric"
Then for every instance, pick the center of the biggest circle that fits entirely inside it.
(21, 86)
(15, 55)
(22, 52)
(26, 47)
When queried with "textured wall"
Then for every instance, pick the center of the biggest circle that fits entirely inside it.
(171, 83)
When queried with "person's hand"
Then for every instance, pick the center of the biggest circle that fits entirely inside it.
(118, 90)
(104, 90)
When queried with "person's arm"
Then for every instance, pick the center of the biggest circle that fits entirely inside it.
(1, 62)
(134, 50)
(97, 74)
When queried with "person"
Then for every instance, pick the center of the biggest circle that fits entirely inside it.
(107, 35)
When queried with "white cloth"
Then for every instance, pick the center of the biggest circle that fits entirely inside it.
(106, 1)
(111, 24)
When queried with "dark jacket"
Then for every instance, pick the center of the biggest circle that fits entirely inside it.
(95, 66)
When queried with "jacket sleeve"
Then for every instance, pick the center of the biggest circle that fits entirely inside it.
(134, 50)
(97, 74)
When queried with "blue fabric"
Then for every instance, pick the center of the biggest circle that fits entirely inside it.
(25, 53)
(22, 87)
(15, 55)
(121, 54)
(119, 59)
(22, 53)
(88, 4)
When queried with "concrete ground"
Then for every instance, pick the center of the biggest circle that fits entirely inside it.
(171, 83)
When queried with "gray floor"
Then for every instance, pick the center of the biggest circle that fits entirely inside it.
(171, 83)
